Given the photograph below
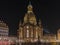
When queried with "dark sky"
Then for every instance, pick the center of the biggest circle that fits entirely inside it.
(12, 12)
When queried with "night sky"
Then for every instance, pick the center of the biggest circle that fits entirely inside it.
(11, 12)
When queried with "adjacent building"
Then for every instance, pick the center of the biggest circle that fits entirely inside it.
(4, 30)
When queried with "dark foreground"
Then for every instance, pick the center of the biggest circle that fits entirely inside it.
(38, 43)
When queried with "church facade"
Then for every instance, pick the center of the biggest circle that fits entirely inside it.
(29, 31)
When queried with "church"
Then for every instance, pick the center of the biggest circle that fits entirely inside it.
(29, 31)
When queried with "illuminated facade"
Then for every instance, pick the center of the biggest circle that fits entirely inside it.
(4, 30)
(29, 31)
(49, 38)
(4, 35)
